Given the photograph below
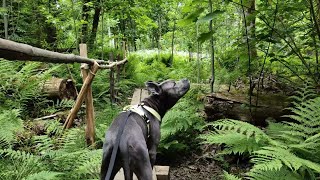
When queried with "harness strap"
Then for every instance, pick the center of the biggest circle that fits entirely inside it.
(116, 146)
(152, 111)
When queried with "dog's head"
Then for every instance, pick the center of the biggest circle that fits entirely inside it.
(168, 91)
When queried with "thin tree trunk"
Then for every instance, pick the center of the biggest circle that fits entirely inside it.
(314, 20)
(5, 19)
(159, 35)
(95, 24)
(172, 42)
(198, 56)
(251, 28)
(212, 51)
(85, 18)
(313, 15)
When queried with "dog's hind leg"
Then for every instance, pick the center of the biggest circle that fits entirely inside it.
(142, 168)
(128, 173)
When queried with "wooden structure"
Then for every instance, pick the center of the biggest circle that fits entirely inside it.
(138, 96)
(17, 51)
(159, 173)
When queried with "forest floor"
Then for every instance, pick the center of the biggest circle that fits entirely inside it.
(198, 165)
(194, 169)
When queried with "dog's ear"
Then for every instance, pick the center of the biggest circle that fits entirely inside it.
(153, 88)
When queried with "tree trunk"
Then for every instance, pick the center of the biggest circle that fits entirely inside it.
(85, 18)
(95, 25)
(172, 42)
(111, 80)
(198, 55)
(5, 19)
(251, 27)
(159, 35)
(212, 51)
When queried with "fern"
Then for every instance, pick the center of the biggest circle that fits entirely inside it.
(288, 150)
(228, 176)
(281, 174)
(19, 164)
(10, 123)
(304, 94)
(180, 125)
(238, 136)
(43, 175)
(91, 167)
(273, 158)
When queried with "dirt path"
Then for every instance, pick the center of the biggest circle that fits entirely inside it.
(192, 168)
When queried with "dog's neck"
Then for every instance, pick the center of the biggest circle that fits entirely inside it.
(160, 104)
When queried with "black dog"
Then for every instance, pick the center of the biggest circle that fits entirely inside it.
(141, 134)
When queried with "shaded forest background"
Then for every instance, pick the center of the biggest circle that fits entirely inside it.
(248, 46)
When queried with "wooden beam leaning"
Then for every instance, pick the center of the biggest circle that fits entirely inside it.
(84, 89)
(81, 96)
(11, 50)
(90, 130)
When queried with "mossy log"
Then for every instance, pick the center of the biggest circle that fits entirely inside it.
(236, 106)
(60, 88)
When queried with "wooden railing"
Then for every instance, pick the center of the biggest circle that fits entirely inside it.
(17, 51)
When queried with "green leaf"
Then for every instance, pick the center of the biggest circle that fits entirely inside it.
(192, 17)
(205, 36)
(210, 16)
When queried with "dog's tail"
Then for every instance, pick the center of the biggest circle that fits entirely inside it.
(105, 163)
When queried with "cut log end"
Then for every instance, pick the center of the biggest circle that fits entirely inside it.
(60, 88)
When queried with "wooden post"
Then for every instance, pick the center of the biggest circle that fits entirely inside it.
(124, 49)
(111, 80)
(124, 55)
(81, 96)
(88, 99)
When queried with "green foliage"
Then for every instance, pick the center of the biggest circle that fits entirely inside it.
(63, 156)
(228, 176)
(21, 86)
(10, 124)
(181, 124)
(43, 175)
(239, 137)
(287, 149)
(151, 66)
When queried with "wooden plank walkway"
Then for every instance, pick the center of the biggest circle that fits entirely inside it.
(138, 96)
(159, 172)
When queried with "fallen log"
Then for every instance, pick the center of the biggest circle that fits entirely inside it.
(236, 106)
(60, 88)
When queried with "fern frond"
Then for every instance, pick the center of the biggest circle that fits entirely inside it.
(91, 167)
(43, 175)
(10, 123)
(228, 176)
(236, 143)
(43, 144)
(274, 155)
(241, 127)
(282, 174)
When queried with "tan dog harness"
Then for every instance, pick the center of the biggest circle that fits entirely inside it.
(139, 109)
